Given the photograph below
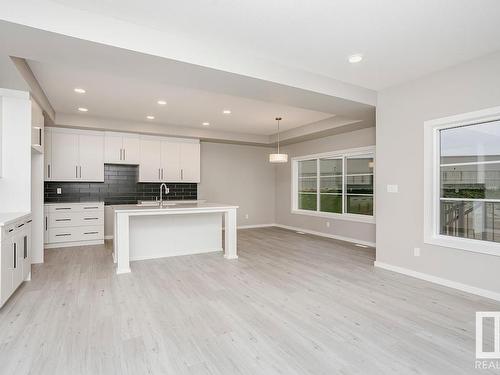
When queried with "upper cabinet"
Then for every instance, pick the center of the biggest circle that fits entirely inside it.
(121, 148)
(37, 127)
(78, 155)
(73, 155)
(169, 160)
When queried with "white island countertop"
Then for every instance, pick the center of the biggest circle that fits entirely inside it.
(185, 207)
(153, 231)
(7, 218)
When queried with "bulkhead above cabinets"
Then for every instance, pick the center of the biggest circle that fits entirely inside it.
(80, 155)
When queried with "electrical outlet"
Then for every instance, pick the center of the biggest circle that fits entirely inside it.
(416, 252)
(392, 188)
(328, 224)
(246, 216)
(59, 191)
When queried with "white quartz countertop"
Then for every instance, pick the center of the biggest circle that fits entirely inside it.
(184, 207)
(7, 218)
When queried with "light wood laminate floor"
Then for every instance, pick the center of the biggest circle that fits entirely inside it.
(291, 304)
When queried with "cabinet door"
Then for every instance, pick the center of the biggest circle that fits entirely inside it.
(150, 165)
(64, 156)
(7, 262)
(131, 150)
(190, 162)
(17, 273)
(170, 161)
(91, 157)
(47, 156)
(113, 149)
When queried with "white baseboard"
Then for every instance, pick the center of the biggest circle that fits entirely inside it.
(72, 244)
(256, 226)
(327, 235)
(147, 257)
(438, 280)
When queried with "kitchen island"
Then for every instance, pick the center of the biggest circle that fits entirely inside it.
(148, 232)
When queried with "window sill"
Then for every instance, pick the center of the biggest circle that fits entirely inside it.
(334, 216)
(475, 246)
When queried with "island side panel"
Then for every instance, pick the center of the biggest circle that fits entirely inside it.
(159, 236)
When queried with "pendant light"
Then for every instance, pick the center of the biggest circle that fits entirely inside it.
(278, 158)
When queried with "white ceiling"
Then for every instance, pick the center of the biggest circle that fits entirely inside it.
(400, 39)
(131, 99)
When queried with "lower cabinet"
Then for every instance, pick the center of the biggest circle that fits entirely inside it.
(15, 257)
(73, 224)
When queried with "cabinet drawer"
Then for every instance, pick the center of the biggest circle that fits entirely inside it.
(74, 234)
(76, 207)
(73, 219)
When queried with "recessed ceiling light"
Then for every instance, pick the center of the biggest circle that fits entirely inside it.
(353, 59)
(79, 90)
(149, 117)
(226, 111)
(205, 123)
(162, 102)
(81, 109)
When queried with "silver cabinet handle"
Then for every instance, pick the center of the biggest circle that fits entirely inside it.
(15, 255)
(76, 171)
(90, 232)
(46, 220)
(124, 154)
(80, 171)
(63, 234)
(25, 252)
(182, 174)
(63, 219)
(48, 170)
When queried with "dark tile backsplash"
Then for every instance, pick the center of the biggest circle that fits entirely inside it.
(120, 186)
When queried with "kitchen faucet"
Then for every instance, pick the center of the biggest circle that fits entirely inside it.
(167, 190)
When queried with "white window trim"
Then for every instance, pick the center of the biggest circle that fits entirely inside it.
(333, 154)
(431, 181)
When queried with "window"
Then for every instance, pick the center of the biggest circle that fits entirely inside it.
(463, 196)
(334, 184)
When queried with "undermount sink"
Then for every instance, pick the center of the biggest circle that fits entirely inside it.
(154, 204)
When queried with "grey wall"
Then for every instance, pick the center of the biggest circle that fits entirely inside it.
(401, 112)
(241, 175)
(343, 228)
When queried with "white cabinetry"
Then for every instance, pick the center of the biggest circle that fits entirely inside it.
(121, 148)
(15, 259)
(73, 155)
(169, 160)
(74, 224)
(190, 162)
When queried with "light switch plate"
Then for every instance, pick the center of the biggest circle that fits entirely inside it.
(392, 188)
(59, 191)
(416, 251)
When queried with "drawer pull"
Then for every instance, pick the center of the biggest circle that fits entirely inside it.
(63, 234)
(29, 221)
(20, 225)
(63, 219)
(90, 208)
(63, 208)
(90, 232)
(10, 230)
(90, 218)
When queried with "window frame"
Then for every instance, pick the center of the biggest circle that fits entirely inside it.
(432, 154)
(340, 154)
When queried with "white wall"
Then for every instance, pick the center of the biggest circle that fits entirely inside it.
(240, 175)
(401, 113)
(360, 232)
(15, 124)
